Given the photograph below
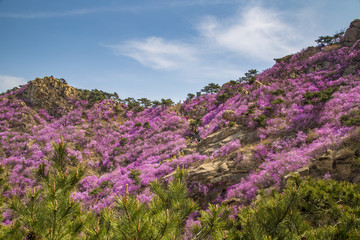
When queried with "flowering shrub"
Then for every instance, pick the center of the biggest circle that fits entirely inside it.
(305, 104)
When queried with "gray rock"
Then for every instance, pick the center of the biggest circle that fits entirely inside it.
(350, 70)
(229, 115)
(355, 23)
(352, 34)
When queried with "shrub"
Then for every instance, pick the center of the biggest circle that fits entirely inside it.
(351, 119)
(278, 92)
(250, 77)
(134, 175)
(162, 218)
(260, 120)
(137, 124)
(320, 96)
(222, 98)
(123, 141)
(277, 101)
(146, 125)
(305, 209)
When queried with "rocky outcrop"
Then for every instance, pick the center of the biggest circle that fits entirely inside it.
(49, 93)
(223, 172)
(352, 34)
(229, 115)
(216, 140)
(342, 165)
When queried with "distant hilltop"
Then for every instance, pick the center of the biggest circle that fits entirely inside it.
(49, 93)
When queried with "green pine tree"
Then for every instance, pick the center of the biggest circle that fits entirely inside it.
(163, 218)
(49, 211)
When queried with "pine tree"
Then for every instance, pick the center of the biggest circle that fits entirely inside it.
(211, 88)
(214, 223)
(163, 218)
(49, 211)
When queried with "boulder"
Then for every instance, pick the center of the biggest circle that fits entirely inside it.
(355, 23)
(229, 115)
(352, 34)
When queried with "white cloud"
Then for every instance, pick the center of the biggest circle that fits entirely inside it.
(8, 82)
(157, 53)
(254, 32)
(223, 48)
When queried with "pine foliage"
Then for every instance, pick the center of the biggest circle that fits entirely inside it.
(49, 211)
(306, 210)
(163, 218)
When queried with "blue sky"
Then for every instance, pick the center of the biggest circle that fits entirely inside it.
(157, 49)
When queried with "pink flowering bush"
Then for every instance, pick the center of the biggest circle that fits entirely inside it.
(295, 109)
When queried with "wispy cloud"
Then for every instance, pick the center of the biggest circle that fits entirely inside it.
(157, 53)
(254, 32)
(221, 45)
(8, 82)
(74, 12)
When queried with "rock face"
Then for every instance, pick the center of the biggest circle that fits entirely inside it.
(220, 173)
(50, 94)
(229, 115)
(352, 34)
(342, 164)
(225, 171)
(216, 140)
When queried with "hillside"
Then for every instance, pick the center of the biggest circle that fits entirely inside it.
(302, 115)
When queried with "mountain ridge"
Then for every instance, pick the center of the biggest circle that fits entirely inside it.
(297, 116)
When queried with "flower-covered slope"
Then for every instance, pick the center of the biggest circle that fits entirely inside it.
(117, 145)
(304, 105)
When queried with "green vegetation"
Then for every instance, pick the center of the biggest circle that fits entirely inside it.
(3, 187)
(277, 101)
(145, 102)
(278, 92)
(195, 123)
(146, 125)
(251, 109)
(96, 95)
(351, 119)
(49, 212)
(211, 88)
(305, 209)
(249, 77)
(190, 96)
(123, 141)
(222, 98)
(138, 124)
(167, 102)
(260, 120)
(134, 175)
(320, 96)
(329, 40)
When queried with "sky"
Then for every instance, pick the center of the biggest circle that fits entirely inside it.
(157, 49)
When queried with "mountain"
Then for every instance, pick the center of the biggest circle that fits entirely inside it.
(302, 115)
